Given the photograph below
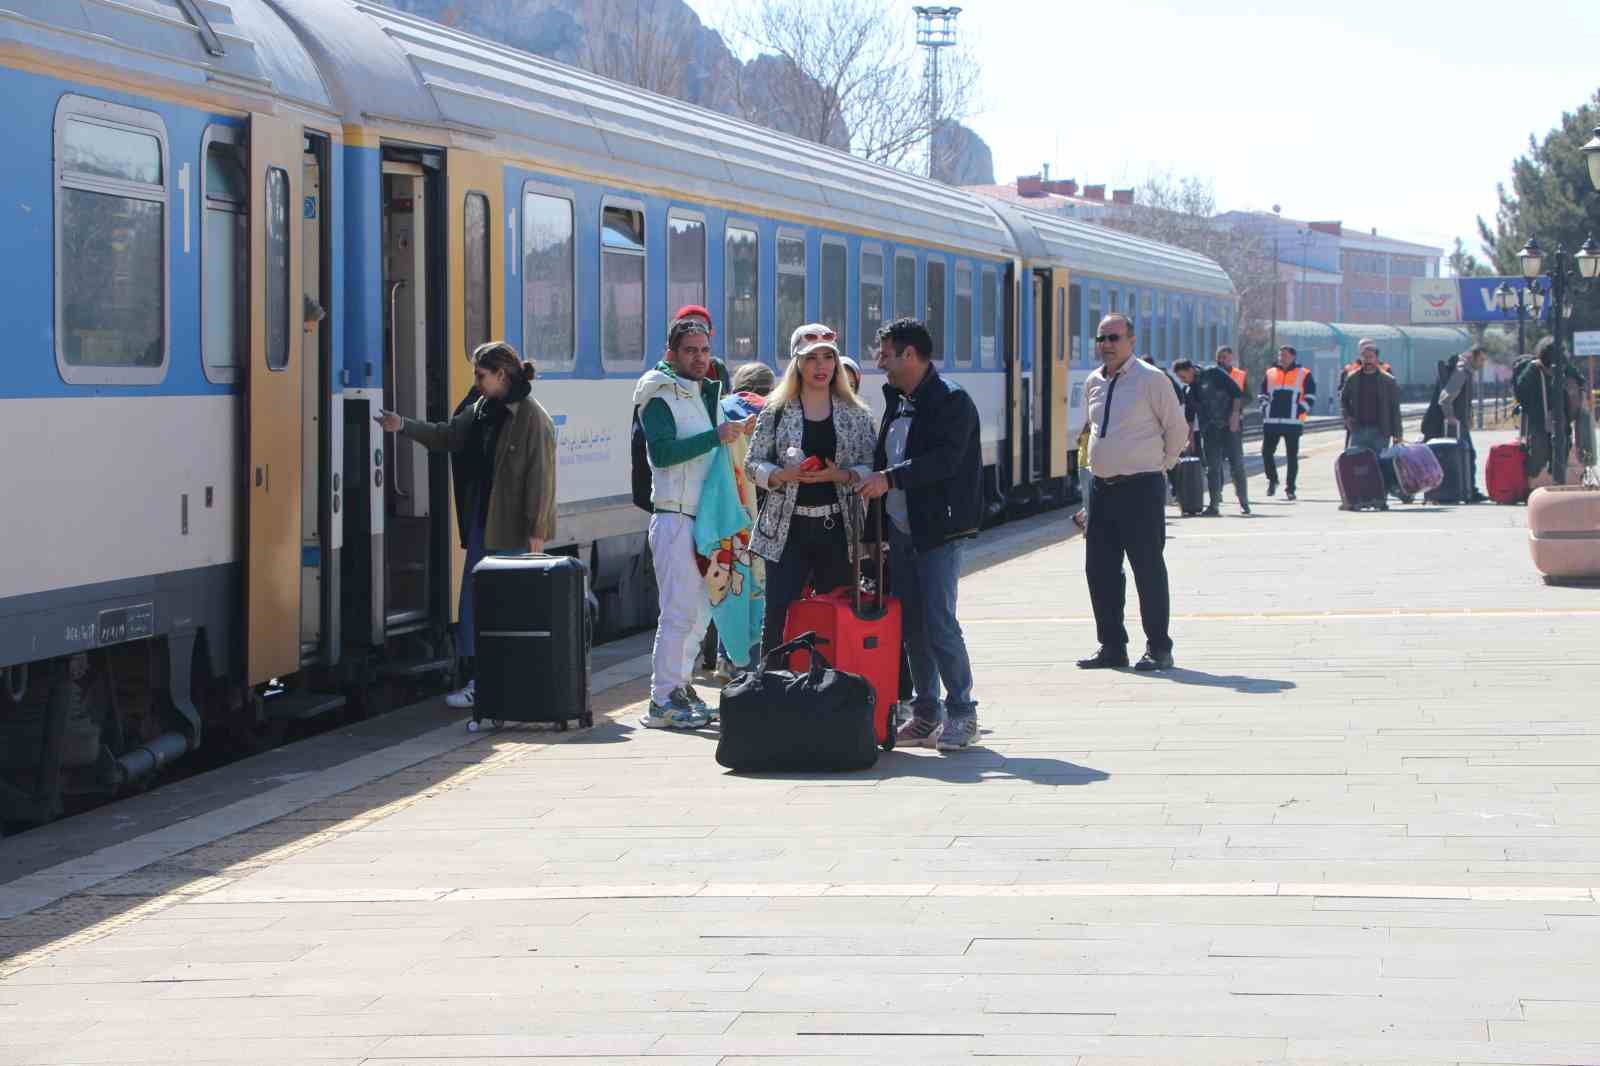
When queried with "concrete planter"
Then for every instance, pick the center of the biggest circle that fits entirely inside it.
(1564, 531)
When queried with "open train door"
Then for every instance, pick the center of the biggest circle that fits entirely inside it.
(479, 224)
(1014, 474)
(273, 402)
(1057, 433)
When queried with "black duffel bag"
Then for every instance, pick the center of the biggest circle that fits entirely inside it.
(774, 720)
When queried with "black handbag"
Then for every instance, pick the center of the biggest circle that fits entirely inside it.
(777, 721)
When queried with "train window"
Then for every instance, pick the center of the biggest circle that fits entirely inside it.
(963, 315)
(742, 270)
(549, 303)
(1060, 351)
(111, 243)
(1075, 322)
(224, 256)
(279, 328)
(872, 316)
(1116, 300)
(622, 292)
(1094, 308)
(835, 287)
(475, 270)
(791, 291)
(905, 285)
(936, 304)
(686, 261)
(989, 321)
(1147, 328)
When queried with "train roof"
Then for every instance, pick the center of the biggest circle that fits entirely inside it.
(235, 47)
(385, 66)
(1112, 253)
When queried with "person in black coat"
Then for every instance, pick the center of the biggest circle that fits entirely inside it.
(929, 470)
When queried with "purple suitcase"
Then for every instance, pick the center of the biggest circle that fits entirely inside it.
(1360, 479)
(1416, 468)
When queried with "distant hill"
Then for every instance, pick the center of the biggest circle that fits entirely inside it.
(675, 54)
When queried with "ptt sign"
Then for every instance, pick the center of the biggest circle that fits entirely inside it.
(1435, 301)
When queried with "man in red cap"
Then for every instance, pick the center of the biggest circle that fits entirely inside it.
(718, 368)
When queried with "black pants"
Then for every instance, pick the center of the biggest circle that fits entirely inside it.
(1129, 519)
(813, 555)
(1221, 445)
(1290, 435)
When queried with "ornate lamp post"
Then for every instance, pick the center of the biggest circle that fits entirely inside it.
(1564, 271)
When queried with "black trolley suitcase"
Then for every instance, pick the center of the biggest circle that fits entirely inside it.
(1189, 481)
(1456, 462)
(532, 620)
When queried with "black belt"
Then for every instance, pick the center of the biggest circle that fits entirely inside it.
(1121, 478)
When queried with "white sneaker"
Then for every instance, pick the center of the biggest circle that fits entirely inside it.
(462, 699)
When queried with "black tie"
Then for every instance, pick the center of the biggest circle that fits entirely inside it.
(1105, 416)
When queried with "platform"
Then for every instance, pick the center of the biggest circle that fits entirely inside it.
(1359, 823)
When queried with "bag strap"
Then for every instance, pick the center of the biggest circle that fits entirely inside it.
(874, 507)
(806, 641)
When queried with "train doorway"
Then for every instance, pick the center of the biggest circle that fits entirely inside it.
(415, 544)
(321, 434)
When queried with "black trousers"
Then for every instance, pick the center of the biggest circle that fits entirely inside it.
(1290, 435)
(1129, 520)
(814, 555)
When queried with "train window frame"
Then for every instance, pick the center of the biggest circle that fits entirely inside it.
(909, 309)
(279, 351)
(989, 318)
(1147, 316)
(864, 279)
(1159, 338)
(693, 218)
(608, 360)
(964, 336)
(750, 228)
(225, 373)
(780, 339)
(842, 293)
(90, 111)
(553, 193)
(1075, 307)
(937, 326)
(467, 268)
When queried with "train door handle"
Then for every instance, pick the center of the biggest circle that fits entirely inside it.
(392, 374)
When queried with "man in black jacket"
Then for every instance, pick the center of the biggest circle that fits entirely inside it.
(930, 472)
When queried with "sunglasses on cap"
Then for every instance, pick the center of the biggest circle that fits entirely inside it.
(812, 336)
(1108, 338)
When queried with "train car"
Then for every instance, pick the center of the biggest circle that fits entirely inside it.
(209, 534)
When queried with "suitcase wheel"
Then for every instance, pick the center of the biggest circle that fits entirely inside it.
(561, 726)
(472, 726)
(587, 721)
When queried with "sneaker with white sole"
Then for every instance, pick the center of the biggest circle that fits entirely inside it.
(919, 733)
(673, 715)
(959, 732)
(463, 698)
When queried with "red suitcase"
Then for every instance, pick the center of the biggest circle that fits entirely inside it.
(861, 638)
(1507, 473)
(1360, 480)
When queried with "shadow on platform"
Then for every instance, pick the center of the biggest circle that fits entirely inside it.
(1250, 686)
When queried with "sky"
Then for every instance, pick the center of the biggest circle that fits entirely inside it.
(1400, 115)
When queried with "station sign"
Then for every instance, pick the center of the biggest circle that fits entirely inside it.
(1586, 342)
(1451, 301)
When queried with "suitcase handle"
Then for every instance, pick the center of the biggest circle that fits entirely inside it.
(873, 507)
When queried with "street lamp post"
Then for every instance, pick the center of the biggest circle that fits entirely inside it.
(1507, 300)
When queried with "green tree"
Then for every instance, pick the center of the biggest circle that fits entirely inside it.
(1551, 198)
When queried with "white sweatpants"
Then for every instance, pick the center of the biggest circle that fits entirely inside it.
(684, 601)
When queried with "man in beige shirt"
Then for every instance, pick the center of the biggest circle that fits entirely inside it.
(1137, 431)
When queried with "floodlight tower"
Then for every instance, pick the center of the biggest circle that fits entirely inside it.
(936, 30)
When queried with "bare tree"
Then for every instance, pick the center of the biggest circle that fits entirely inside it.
(640, 43)
(1183, 212)
(845, 73)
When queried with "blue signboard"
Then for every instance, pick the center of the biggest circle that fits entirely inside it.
(1477, 299)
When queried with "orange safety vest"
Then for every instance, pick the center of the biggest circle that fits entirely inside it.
(1239, 379)
(1286, 394)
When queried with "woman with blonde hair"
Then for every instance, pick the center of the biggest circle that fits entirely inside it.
(812, 446)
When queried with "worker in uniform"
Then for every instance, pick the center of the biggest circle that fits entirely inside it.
(1287, 393)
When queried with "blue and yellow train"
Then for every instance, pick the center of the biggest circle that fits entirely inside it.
(206, 534)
